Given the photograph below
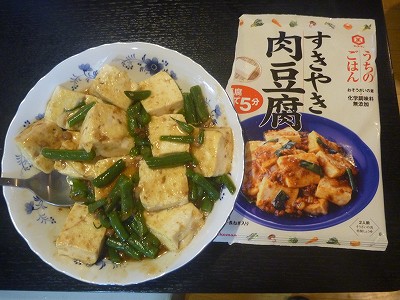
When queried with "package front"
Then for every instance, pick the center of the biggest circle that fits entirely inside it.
(306, 92)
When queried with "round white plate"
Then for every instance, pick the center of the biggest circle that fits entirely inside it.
(40, 223)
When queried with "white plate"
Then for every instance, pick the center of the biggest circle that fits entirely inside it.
(39, 223)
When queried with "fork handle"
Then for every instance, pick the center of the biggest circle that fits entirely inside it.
(13, 182)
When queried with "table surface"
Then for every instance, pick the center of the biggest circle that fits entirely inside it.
(38, 34)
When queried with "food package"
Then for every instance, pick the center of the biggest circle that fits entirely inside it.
(306, 92)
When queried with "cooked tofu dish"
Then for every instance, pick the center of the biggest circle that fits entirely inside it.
(293, 173)
(144, 161)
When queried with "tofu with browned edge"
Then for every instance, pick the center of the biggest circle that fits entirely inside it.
(105, 129)
(175, 227)
(165, 98)
(215, 155)
(38, 135)
(80, 238)
(110, 85)
(293, 174)
(166, 125)
(162, 188)
(334, 190)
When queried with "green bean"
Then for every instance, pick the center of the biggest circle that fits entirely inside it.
(147, 250)
(139, 225)
(152, 239)
(92, 207)
(138, 95)
(311, 167)
(133, 125)
(185, 127)
(141, 141)
(144, 117)
(169, 160)
(135, 178)
(135, 151)
(79, 189)
(66, 154)
(123, 247)
(200, 103)
(352, 180)
(190, 110)
(110, 174)
(207, 205)
(227, 181)
(145, 151)
(80, 104)
(183, 139)
(126, 190)
(200, 137)
(80, 115)
(199, 179)
(117, 225)
(104, 221)
(113, 255)
(113, 197)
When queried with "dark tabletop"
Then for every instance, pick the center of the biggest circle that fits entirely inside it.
(36, 35)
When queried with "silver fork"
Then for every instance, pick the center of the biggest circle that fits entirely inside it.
(52, 188)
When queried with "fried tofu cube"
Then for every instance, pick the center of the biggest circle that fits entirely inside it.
(165, 98)
(103, 165)
(162, 188)
(105, 129)
(175, 227)
(34, 138)
(334, 165)
(314, 146)
(79, 238)
(165, 125)
(63, 100)
(215, 155)
(293, 174)
(282, 136)
(319, 207)
(110, 85)
(75, 169)
(334, 190)
(268, 190)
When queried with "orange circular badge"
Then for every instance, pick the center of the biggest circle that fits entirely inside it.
(246, 99)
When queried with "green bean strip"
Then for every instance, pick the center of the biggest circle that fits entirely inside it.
(113, 255)
(80, 104)
(139, 224)
(185, 127)
(138, 95)
(352, 180)
(79, 189)
(183, 139)
(200, 103)
(146, 249)
(169, 160)
(126, 190)
(117, 225)
(80, 115)
(66, 154)
(200, 137)
(92, 207)
(311, 167)
(190, 110)
(110, 174)
(152, 239)
(123, 247)
(133, 125)
(227, 181)
(113, 197)
(207, 205)
(104, 221)
(199, 179)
